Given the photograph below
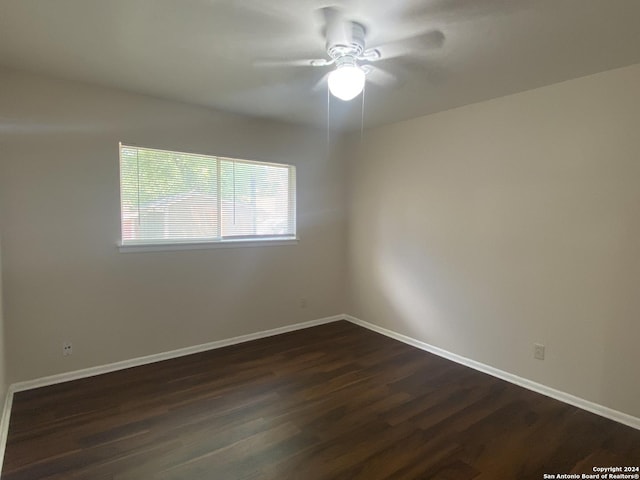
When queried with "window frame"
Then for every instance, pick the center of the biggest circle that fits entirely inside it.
(144, 245)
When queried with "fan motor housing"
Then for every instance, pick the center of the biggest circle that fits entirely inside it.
(354, 47)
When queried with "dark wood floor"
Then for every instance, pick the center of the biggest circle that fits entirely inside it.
(331, 402)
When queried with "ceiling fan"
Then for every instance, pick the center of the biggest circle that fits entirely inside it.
(348, 52)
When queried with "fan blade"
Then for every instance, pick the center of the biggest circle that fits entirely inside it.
(429, 71)
(337, 29)
(378, 76)
(321, 84)
(370, 55)
(411, 46)
(303, 62)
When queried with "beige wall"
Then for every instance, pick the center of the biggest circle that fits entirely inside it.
(3, 364)
(484, 229)
(64, 278)
(480, 230)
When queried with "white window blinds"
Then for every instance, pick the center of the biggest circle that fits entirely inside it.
(172, 197)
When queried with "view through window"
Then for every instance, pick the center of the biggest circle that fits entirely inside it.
(173, 197)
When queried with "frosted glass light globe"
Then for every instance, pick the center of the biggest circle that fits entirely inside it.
(346, 82)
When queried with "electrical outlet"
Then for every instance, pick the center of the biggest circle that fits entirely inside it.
(538, 351)
(67, 348)
(304, 303)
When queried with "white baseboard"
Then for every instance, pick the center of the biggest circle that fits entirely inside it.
(135, 362)
(587, 405)
(158, 357)
(4, 424)
(112, 367)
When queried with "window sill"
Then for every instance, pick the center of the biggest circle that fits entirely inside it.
(167, 247)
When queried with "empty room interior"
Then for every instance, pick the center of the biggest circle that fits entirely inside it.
(298, 239)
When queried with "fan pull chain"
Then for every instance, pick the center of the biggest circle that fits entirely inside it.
(364, 89)
(328, 119)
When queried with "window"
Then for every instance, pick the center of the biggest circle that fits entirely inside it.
(183, 198)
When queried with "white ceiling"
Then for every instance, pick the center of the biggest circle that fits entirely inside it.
(204, 51)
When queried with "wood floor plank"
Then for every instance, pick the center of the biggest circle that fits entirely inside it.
(329, 402)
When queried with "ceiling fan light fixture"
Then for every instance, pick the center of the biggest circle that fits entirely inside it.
(347, 81)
